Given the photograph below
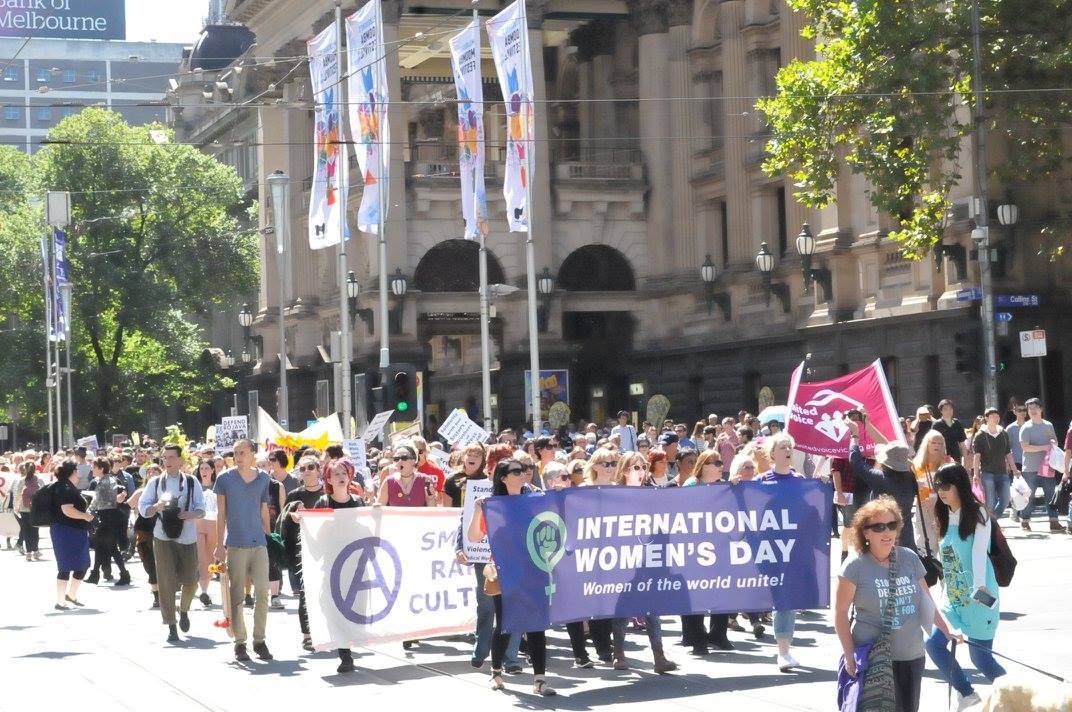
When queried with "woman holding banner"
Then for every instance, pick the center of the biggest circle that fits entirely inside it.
(600, 470)
(507, 482)
(779, 450)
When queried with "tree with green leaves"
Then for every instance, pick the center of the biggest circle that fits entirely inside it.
(156, 240)
(888, 96)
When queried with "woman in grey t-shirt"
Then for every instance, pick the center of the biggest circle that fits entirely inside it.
(865, 585)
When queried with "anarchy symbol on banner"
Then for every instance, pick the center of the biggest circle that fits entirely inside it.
(370, 552)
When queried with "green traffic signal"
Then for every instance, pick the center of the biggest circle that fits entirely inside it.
(402, 406)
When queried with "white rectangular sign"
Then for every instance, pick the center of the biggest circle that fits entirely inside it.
(380, 574)
(1033, 343)
(478, 552)
(355, 449)
(232, 429)
(375, 426)
(89, 442)
(458, 428)
(410, 431)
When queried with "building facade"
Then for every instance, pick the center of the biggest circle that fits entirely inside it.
(648, 153)
(47, 80)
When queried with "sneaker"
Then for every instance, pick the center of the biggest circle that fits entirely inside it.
(1056, 528)
(205, 600)
(540, 687)
(37, 556)
(261, 649)
(156, 600)
(971, 700)
(583, 664)
(184, 621)
(276, 604)
(514, 669)
(787, 662)
(173, 635)
(663, 666)
(1025, 525)
(621, 664)
(408, 644)
(240, 653)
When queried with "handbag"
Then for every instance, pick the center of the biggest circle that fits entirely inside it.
(492, 585)
(877, 693)
(931, 565)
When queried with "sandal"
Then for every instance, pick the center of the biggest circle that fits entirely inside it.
(77, 603)
(540, 687)
(307, 643)
(497, 680)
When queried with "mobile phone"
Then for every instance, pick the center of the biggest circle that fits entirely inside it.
(983, 597)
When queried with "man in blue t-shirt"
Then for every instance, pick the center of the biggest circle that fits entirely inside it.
(242, 526)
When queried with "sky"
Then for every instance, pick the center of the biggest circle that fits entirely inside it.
(165, 20)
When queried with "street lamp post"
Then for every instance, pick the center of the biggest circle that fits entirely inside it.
(545, 285)
(1008, 216)
(399, 287)
(279, 182)
(765, 265)
(708, 275)
(821, 275)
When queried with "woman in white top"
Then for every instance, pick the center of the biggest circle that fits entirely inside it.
(206, 528)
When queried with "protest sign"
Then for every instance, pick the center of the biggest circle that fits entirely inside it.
(375, 426)
(618, 552)
(441, 457)
(459, 428)
(817, 411)
(231, 429)
(355, 450)
(410, 431)
(89, 442)
(381, 574)
(478, 552)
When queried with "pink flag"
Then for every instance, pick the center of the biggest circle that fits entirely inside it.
(817, 411)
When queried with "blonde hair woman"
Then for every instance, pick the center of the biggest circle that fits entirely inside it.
(930, 456)
(601, 467)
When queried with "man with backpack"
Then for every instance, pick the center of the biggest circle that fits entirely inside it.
(176, 500)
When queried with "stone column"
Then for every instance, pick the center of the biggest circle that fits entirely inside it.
(685, 258)
(743, 243)
(270, 137)
(604, 126)
(650, 18)
(581, 40)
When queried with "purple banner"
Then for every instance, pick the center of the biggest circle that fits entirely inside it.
(615, 552)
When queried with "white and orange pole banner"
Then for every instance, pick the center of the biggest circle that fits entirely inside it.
(327, 202)
(465, 60)
(508, 33)
(368, 91)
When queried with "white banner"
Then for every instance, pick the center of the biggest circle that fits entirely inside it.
(89, 442)
(460, 429)
(327, 201)
(478, 552)
(465, 60)
(367, 84)
(381, 574)
(509, 47)
(375, 426)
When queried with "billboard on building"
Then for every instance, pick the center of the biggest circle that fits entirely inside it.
(64, 19)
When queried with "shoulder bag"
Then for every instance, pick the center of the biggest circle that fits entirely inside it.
(931, 565)
(878, 693)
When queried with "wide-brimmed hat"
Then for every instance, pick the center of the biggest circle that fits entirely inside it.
(895, 456)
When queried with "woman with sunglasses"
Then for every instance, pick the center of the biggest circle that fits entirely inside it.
(864, 585)
(632, 470)
(305, 496)
(406, 487)
(507, 482)
(708, 471)
(971, 588)
(601, 470)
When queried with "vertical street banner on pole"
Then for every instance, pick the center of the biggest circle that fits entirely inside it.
(507, 32)
(465, 60)
(368, 110)
(327, 202)
(60, 295)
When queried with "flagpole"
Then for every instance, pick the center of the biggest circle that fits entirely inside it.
(530, 247)
(485, 329)
(344, 303)
(48, 344)
(381, 109)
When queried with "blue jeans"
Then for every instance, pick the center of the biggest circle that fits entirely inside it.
(513, 650)
(950, 670)
(996, 489)
(784, 624)
(485, 617)
(1047, 484)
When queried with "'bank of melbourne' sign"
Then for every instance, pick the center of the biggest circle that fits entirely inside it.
(68, 19)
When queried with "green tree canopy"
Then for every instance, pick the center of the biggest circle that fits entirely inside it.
(156, 239)
(888, 96)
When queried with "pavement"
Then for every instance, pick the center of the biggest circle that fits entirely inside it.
(111, 655)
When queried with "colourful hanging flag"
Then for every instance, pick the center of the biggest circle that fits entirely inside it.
(367, 82)
(507, 32)
(327, 200)
(465, 59)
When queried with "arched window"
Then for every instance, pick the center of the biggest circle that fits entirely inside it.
(596, 268)
(454, 266)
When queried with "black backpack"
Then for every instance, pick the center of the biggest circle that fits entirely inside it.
(41, 510)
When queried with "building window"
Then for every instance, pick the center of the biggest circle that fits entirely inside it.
(93, 76)
(783, 226)
(11, 74)
(725, 232)
(12, 113)
(69, 76)
(42, 76)
(44, 113)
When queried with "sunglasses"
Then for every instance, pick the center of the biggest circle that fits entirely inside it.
(403, 458)
(309, 468)
(879, 527)
(609, 463)
(564, 478)
(714, 463)
(640, 468)
(515, 471)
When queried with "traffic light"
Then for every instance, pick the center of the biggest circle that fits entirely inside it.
(400, 386)
(967, 352)
(374, 399)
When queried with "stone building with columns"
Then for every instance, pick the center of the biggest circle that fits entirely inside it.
(648, 167)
